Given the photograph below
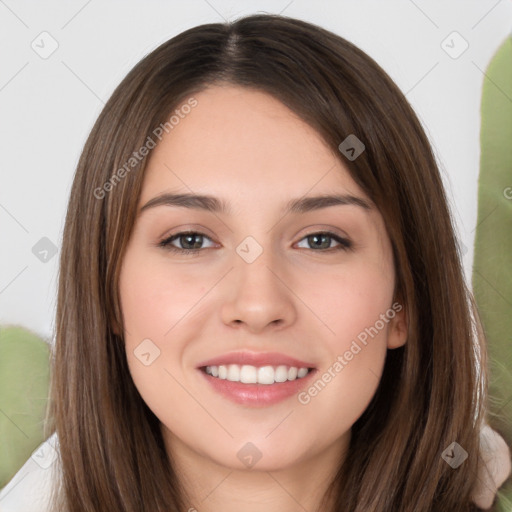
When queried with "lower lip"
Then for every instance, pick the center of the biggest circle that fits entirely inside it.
(258, 395)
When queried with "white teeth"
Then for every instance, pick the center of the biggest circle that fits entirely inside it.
(223, 372)
(233, 373)
(292, 373)
(249, 374)
(266, 375)
(281, 374)
(302, 372)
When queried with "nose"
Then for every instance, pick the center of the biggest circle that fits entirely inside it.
(258, 296)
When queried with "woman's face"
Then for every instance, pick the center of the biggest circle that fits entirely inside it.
(270, 288)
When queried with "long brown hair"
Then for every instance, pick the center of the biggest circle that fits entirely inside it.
(433, 389)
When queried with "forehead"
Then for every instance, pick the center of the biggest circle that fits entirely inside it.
(243, 141)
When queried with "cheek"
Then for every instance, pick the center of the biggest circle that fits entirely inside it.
(153, 303)
(153, 299)
(351, 303)
(355, 309)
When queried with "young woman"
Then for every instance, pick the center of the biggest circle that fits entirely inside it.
(261, 303)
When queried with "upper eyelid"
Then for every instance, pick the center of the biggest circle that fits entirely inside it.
(311, 230)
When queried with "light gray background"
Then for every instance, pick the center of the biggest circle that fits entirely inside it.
(48, 106)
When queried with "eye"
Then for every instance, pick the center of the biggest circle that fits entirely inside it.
(322, 241)
(190, 242)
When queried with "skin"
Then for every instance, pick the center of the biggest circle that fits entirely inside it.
(247, 148)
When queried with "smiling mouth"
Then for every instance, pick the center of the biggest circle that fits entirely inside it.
(248, 374)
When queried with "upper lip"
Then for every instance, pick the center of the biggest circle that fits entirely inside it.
(256, 359)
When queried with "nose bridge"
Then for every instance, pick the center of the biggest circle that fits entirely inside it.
(255, 265)
(257, 296)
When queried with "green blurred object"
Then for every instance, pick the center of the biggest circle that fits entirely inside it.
(492, 269)
(24, 385)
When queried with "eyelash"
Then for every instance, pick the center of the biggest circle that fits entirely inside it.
(345, 244)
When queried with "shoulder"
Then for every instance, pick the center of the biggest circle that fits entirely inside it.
(30, 488)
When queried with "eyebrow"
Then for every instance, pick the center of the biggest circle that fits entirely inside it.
(216, 205)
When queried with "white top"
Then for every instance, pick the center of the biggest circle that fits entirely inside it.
(30, 488)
